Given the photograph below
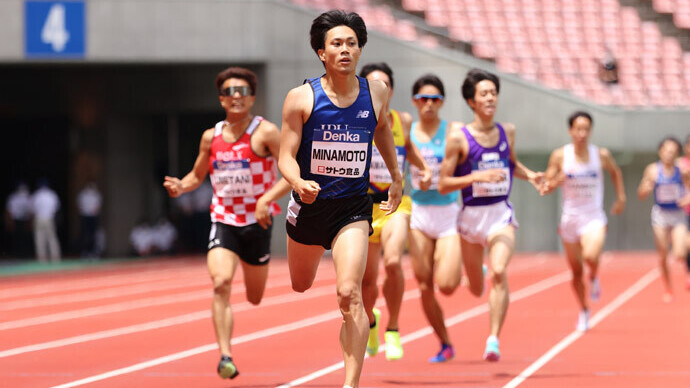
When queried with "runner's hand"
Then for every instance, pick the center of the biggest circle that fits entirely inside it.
(425, 179)
(262, 214)
(394, 197)
(618, 207)
(173, 185)
(307, 191)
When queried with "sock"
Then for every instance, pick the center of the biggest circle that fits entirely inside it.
(395, 330)
(225, 358)
(372, 325)
(492, 338)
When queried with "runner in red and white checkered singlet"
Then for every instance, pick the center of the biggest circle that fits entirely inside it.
(240, 153)
(239, 177)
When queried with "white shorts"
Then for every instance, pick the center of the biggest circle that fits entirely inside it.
(667, 218)
(574, 226)
(435, 221)
(477, 223)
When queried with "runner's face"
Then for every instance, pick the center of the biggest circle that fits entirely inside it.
(236, 103)
(668, 153)
(341, 50)
(580, 130)
(428, 107)
(485, 99)
(383, 77)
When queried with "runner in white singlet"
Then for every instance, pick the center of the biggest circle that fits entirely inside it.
(577, 168)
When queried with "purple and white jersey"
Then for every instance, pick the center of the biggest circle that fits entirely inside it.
(480, 158)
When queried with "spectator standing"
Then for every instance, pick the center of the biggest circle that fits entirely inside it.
(45, 204)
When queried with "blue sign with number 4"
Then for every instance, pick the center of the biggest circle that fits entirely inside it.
(54, 29)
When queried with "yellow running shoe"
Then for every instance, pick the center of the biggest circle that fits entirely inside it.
(394, 349)
(373, 341)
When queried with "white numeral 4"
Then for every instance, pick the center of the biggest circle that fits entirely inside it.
(54, 31)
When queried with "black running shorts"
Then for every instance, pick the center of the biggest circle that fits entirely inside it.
(251, 243)
(318, 223)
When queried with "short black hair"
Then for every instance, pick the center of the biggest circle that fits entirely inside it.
(334, 18)
(475, 76)
(380, 66)
(428, 79)
(237, 72)
(672, 139)
(577, 114)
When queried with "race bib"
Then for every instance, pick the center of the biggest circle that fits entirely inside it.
(434, 163)
(668, 193)
(583, 185)
(491, 189)
(378, 172)
(341, 154)
(232, 179)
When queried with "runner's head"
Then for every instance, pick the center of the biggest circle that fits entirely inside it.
(379, 71)
(236, 88)
(480, 90)
(337, 37)
(428, 94)
(669, 150)
(580, 127)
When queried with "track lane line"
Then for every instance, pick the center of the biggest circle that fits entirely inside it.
(625, 296)
(520, 294)
(162, 323)
(452, 321)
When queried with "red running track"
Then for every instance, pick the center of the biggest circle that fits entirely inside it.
(147, 324)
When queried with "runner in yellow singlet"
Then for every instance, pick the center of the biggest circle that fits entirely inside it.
(390, 232)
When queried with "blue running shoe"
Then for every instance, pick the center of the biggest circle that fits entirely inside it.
(594, 290)
(446, 354)
(227, 368)
(491, 352)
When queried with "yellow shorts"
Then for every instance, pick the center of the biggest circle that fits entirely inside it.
(380, 218)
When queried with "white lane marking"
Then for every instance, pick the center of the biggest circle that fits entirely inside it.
(113, 292)
(463, 316)
(181, 319)
(574, 336)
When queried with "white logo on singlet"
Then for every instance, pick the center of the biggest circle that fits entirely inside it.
(362, 114)
(502, 147)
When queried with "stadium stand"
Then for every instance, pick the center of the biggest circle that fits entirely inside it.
(558, 43)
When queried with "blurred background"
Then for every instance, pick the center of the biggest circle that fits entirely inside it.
(100, 99)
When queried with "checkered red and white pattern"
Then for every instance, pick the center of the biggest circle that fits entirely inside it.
(239, 211)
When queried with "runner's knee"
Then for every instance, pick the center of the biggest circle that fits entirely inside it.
(221, 284)
(348, 295)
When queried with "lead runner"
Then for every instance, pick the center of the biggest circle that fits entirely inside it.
(328, 127)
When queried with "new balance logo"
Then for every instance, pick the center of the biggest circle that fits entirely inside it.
(362, 114)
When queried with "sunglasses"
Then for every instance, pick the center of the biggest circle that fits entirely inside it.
(231, 90)
(426, 97)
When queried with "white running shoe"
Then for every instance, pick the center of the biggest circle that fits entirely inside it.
(583, 321)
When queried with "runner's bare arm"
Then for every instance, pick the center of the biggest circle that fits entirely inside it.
(609, 163)
(271, 139)
(553, 176)
(294, 113)
(383, 137)
(194, 178)
(413, 154)
(647, 183)
(521, 171)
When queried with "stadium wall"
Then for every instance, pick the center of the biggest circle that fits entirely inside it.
(194, 39)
